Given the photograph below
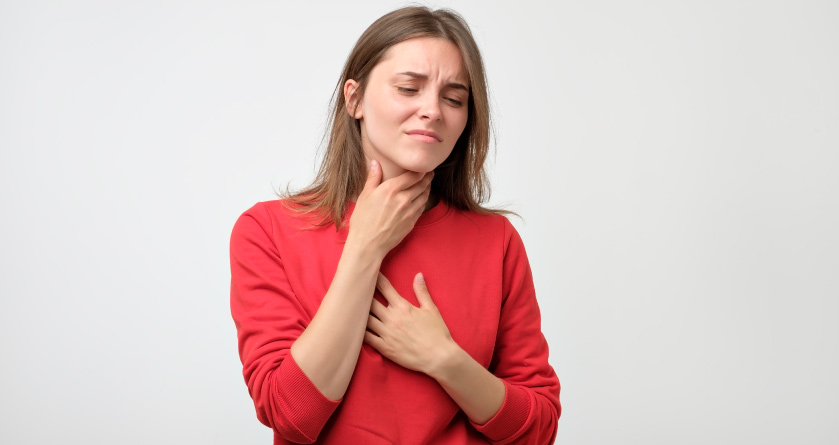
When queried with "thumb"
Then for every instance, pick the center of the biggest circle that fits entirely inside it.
(421, 291)
(374, 176)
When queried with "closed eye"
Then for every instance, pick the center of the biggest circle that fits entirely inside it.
(406, 90)
(454, 101)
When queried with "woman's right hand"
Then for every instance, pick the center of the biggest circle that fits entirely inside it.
(386, 211)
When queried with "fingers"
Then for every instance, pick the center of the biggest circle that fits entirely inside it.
(374, 176)
(414, 184)
(418, 194)
(374, 341)
(422, 198)
(393, 298)
(421, 186)
(378, 309)
(421, 291)
(375, 325)
(407, 180)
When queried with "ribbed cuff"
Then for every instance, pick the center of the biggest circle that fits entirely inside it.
(300, 402)
(510, 418)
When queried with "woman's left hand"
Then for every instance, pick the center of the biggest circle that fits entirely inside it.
(414, 337)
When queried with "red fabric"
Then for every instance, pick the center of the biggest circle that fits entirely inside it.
(476, 269)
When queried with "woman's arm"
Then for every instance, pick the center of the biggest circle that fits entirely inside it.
(297, 399)
(327, 350)
(475, 390)
(531, 408)
(516, 400)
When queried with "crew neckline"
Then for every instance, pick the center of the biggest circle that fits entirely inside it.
(433, 214)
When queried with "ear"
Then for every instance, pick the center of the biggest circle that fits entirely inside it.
(352, 99)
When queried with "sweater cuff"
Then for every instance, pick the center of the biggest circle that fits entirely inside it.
(300, 401)
(510, 418)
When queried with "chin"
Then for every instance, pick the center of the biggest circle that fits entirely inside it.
(422, 164)
(421, 167)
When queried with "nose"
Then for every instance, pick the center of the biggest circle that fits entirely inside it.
(430, 106)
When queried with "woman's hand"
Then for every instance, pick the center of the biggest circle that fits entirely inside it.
(414, 337)
(386, 211)
(417, 338)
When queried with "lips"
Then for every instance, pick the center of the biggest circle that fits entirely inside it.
(427, 133)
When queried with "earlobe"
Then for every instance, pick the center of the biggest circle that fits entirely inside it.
(351, 99)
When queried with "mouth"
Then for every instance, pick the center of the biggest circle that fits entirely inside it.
(425, 135)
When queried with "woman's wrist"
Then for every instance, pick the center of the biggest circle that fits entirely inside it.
(447, 361)
(364, 252)
(472, 387)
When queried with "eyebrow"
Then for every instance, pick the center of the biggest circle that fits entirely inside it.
(455, 85)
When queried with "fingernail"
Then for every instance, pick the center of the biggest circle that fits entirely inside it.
(372, 164)
(420, 278)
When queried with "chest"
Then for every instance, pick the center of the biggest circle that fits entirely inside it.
(463, 273)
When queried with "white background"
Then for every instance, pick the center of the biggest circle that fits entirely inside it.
(675, 164)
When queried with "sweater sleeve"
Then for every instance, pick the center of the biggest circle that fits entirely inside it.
(268, 319)
(531, 406)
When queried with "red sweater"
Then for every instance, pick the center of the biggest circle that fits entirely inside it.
(479, 278)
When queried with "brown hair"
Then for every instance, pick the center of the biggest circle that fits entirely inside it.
(460, 181)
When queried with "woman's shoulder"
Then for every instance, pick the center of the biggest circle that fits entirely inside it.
(264, 210)
(277, 213)
(276, 208)
(487, 221)
(484, 215)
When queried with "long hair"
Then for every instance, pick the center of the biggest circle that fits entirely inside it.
(460, 181)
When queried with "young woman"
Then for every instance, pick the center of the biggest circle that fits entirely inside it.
(383, 304)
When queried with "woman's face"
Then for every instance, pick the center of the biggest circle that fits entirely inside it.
(414, 107)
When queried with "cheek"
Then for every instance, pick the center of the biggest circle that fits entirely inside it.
(384, 116)
(459, 123)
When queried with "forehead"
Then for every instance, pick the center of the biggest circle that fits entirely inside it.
(432, 56)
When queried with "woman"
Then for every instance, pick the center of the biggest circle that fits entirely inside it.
(383, 304)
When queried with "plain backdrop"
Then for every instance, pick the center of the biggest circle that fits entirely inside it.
(676, 165)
